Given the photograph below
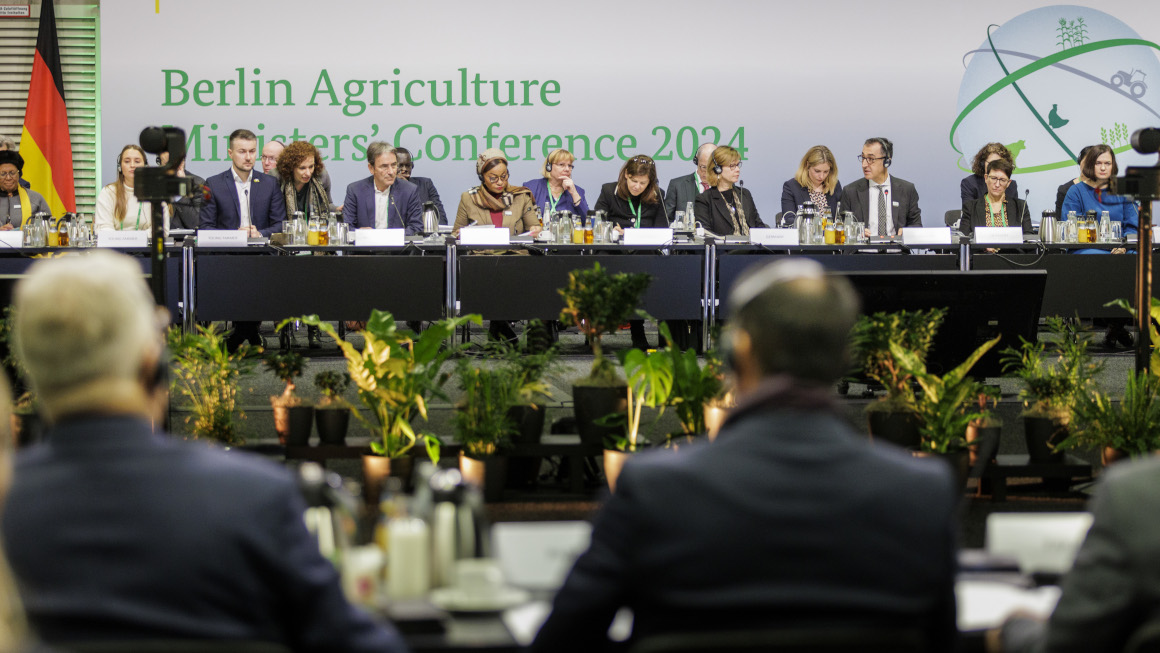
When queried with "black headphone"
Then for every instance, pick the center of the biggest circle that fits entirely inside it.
(887, 149)
(716, 165)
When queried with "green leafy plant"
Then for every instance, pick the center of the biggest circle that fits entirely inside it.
(874, 337)
(598, 303)
(396, 374)
(650, 382)
(1154, 335)
(529, 368)
(482, 420)
(1132, 426)
(207, 375)
(944, 408)
(287, 366)
(694, 385)
(332, 384)
(1054, 374)
(25, 401)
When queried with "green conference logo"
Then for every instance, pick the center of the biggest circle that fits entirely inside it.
(1051, 81)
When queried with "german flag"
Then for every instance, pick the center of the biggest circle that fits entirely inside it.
(44, 143)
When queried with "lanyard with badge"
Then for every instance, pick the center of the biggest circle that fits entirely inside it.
(138, 227)
(635, 210)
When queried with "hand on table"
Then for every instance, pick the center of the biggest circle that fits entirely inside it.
(7, 227)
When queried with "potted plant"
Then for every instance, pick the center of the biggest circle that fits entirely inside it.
(945, 408)
(1154, 334)
(292, 416)
(597, 303)
(484, 424)
(984, 432)
(892, 417)
(26, 424)
(207, 375)
(650, 383)
(1052, 384)
(529, 412)
(696, 388)
(395, 374)
(332, 412)
(1129, 428)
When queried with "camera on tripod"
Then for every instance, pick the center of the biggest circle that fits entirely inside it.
(1142, 183)
(161, 183)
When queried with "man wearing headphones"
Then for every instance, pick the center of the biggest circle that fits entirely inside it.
(790, 518)
(683, 190)
(885, 203)
(427, 192)
(117, 531)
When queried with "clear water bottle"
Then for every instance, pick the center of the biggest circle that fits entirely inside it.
(1105, 227)
(1072, 235)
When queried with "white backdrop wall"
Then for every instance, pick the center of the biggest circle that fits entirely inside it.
(630, 76)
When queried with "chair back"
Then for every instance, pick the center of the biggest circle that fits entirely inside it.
(952, 217)
(834, 639)
(176, 646)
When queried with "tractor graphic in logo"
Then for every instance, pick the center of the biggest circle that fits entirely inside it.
(1133, 80)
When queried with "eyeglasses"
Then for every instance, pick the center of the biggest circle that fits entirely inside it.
(871, 159)
(492, 179)
(9, 175)
(563, 164)
(733, 166)
(266, 158)
(998, 181)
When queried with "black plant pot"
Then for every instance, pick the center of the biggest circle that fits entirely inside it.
(332, 425)
(984, 443)
(524, 471)
(494, 470)
(590, 404)
(301, 424)
(1041, 433)
(896, 428)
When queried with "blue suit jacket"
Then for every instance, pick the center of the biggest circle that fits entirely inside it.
(427, 193)
(404, 212)
(223, 208)
(168, 539)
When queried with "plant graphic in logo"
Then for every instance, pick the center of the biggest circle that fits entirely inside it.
(1118, 133)
(1071, 34)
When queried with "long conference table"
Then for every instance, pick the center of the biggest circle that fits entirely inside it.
(429, 281)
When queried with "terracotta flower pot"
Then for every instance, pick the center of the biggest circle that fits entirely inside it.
(488, 474)
(714, 417)
(376, 469)
(1109, 455)
(614, 462)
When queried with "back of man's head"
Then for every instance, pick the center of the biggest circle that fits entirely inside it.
(798, 319)
(82, 320)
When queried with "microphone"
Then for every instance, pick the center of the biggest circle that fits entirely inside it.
(1026, 194)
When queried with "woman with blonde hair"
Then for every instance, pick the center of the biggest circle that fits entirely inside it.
(117, 206)
(816, 180)
(726, 209)
(555, 186)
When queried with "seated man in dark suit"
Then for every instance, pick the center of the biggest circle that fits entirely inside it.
(427, 192)
(790, 518)
(116, 531)
(884, 202)
(683, 190)
(243, 198)
(383, 200)
(1111, 590)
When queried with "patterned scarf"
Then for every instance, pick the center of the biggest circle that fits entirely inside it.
(485, 200)
(737, 214)
(317, 205)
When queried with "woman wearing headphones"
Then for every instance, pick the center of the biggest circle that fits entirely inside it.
(635, 199)
(117, 206)
(725, 209)
(816, 180)
(556, 186)
(300, 169)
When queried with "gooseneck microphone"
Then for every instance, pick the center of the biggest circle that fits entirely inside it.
(1026, 194)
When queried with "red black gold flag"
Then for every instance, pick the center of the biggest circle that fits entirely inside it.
(44, 143)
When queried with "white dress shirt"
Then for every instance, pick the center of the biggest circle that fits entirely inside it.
(243, 197)
(382, 206)
(872, 212)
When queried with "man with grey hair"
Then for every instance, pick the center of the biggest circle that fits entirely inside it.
(683, 190)
(384, 200)
(116, 531)
(789, 519)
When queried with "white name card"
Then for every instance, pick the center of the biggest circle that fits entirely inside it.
(998, 235)
(926, 236)
(651, 236)
(380, 237)
(774, 236)
(114, 238)
(12, 238)
(222, 238)
(485, 235)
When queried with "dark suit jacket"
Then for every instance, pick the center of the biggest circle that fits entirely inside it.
(682, 190)
(651, 215)
(116, 532)
(223, 208)
(790, 515)
(713, 213)
(976, 215)
(794, 195)
(903, 197)
(972, 187)
(403, 212)
(427, 193)
(1112, 589)
(186, 212)
(1060, 196)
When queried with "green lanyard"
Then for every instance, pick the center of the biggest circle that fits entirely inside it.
(635, 209)
(122, 225)
(554, 200)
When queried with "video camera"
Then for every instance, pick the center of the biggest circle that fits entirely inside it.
(1142, 183)
(161, 183)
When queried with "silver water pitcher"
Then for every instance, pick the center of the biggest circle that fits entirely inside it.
(430, 219)
(1048, 230)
